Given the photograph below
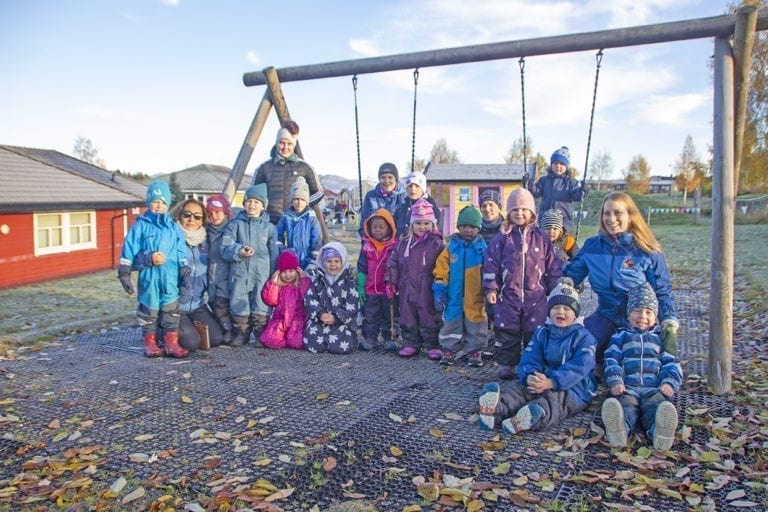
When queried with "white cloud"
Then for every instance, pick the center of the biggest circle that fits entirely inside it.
(671, 110)
(172, 3)
(253, 58)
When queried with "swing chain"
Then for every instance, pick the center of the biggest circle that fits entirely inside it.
(413, 138)
(521, 62)
(357, 138)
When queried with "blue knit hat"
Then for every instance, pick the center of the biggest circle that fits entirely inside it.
(157, 190)
(490, 194)
(563, 156)
(642, 297)
(258, 192)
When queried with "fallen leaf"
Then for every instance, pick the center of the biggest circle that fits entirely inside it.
(322, 396)
(144, 437)
(118, 485)
(394, 450)
(186, 399)
(329, 463)
(394, 417)
(133, 496)
(436, 432)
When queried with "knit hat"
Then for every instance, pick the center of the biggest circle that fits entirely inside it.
(470, 216)
(285, 133)
(551, 219)
(329, 252)
(422, 210)
(258, 192)
(218, 203)
(561, 155)
(642, 297)
(565, 294)
(157, 190)
(490, 195)
(417, 178)
(287, 261)
(389, 168)
(300, 189)
(521, 198)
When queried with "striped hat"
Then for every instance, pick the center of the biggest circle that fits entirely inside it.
(551, 219)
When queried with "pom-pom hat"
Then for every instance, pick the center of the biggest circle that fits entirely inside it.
(565, 294)
(561, 155)
(300, 189)
(287, 261)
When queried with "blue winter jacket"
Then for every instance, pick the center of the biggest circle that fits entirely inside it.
(158, 285)
(458, 279)
(377, 198)
(197, 260)
(614, 267)
(559, 192)
(565, 355)
(301, 233)
(218, 267)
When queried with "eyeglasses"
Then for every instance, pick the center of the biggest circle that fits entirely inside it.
(190, 215)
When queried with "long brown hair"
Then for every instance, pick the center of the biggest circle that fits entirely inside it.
(637, 226)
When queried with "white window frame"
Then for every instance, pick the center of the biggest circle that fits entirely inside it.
(66, 244)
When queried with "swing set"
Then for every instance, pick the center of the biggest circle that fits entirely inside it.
(733, 39)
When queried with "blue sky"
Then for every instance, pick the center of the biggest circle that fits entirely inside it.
(157, 85)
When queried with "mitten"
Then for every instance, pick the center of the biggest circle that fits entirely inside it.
(439, 292)
(361, 277)
(669, 335)
(391, 290)
(124, 275)
(185, 281)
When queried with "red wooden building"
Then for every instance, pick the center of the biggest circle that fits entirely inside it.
(60, 216)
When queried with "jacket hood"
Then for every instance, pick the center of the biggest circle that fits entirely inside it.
(384, 214)
(338, 248)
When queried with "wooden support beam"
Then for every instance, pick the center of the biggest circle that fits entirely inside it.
(743, 41)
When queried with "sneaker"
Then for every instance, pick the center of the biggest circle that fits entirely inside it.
(613, 420)
(367, 344)
(408, 352)
(435, 354)
(527, 417)
(448, 358)
(489, 400)
(391, 346)
(665, 426)
(507, 372)
(475, 360)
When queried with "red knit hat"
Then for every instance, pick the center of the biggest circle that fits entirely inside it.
(287, 261)
(218, 203)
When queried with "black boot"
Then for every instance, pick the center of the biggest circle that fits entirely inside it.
(241, 331)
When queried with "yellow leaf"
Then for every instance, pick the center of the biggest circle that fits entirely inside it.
(264, 484)
(412, 508)
(144, 437)
(135, 495)
(520, 481)
(436, 432)
(394, 450)
(670, 493)
(501, 469)
(251, 423)
(262, 462)
(279, 495)
(709, 457)
(475, 505)
(322, 396)
(186, 399)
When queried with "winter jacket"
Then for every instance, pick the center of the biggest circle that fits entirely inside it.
(279, 174)
(158, 285)
(565, 355)
(565, 247)
(490, 229)
(614, 267)
(402, 214)
(377, 198)
(410, 267)
(638, 359)
(458, 278)
(286, 325)
(247, 275)
(558, 192)
(522, 268)
(218, 267)
(197, 261)
(301, 233)
(374, 255)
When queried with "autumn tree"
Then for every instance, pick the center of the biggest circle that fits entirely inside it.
(601, 167)
(515, 152)
(638, 175)
(84, 150)
(689, 169)
(442, 154)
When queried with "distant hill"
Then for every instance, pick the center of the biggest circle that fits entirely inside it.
(337, 183)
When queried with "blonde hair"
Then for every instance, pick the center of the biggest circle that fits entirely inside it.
(644, 238)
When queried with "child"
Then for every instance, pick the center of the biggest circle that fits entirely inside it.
(557, 189)
(331, 303)
(415, 189)
(490, 207)
(520, 269)
(409, 271)
(299, 228)
(219, 213)
(155, 244)
(642, 375)
(250, 244)
(458, 292)
(285, 292)
(564, 243)
(555, 372)
(378, 242)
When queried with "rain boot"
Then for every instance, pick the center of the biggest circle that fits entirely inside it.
(172, 347)
(150, 346)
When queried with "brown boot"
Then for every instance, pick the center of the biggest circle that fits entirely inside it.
(150, 346)
(172, 347)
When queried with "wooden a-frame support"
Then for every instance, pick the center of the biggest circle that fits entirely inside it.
(730, 101)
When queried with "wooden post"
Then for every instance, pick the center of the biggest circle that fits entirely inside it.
(719, 362)
(281, 107)
(743, 41)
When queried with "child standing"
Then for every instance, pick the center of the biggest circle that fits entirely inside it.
(299, 228)
(219, 213)
(250, 244)
(155, 244)
(490, 207)
(331, 303)
(520, 269)
(285, 293)
(415, 189)
(458, 292)
(555, 372)
(557, 189)
(409, 274)
(551, 222)
(379, 239)
(643, 375)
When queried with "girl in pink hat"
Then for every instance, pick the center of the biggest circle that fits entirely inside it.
(285, 292)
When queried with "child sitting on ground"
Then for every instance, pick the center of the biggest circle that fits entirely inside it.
(331, 303)
(563, 242)
(642, 375)
(555, 372)
(299, 228)
(458, 292)
(285, 293)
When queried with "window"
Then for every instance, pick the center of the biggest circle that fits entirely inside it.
(64, 232)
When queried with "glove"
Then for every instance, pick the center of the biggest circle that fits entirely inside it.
(185, 281)
(361, 277)
(124, 275)
(669, 335)
(391, 290)
(439, 292)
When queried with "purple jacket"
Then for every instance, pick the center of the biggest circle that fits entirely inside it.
(522, 268)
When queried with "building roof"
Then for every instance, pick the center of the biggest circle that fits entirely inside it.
(477, 172)
(204, 178)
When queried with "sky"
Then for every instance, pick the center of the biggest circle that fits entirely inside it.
(156, 85)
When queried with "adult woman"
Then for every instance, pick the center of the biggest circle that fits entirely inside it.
(623, 255)
(192, 302)
(388, 194)
(282, 170)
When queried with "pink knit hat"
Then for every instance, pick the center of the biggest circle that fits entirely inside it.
(287, 261)
(422, 210)
(521, 198)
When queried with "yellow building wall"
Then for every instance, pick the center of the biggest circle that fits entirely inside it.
(453, 197)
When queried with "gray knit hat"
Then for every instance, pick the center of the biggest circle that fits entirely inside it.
(564, 293)
(300, 189)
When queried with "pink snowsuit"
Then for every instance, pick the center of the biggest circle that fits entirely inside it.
(286, 326)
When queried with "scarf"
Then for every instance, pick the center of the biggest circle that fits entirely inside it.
(195, 238)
